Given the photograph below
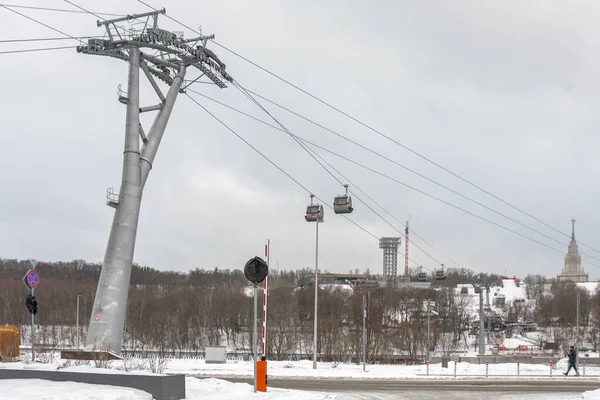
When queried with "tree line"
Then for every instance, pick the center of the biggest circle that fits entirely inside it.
(170, 310)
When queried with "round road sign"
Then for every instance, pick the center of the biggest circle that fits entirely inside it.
(97, 317)
(256, 270)
(33, 279)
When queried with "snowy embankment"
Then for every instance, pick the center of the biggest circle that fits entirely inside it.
(196, 389)
(303, 369)
(206, 387)
(590, 395)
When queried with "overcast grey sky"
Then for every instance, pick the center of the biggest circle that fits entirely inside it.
(502, 93)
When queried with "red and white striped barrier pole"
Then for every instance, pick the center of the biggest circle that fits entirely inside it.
(264, 327)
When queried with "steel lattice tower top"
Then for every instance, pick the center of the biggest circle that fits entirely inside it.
(390, 256)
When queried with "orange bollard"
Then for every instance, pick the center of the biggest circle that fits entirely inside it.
(261, 375)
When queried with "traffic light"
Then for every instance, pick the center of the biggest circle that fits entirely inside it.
(31, 304)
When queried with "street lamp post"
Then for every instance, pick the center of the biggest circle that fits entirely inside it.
(316, 294)
(428, 327)
(314, 213)
(78, 321)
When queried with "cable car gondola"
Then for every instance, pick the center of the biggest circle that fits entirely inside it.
(421, 276)
(343, 204)
(477, 289)
(464, 290)
(314, 212)
(440, 275)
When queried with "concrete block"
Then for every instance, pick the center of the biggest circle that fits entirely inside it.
(161, 387)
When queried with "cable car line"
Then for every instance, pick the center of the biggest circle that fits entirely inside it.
(376, 213)
(88, 11)
(46, 39)
(41, 23)
(97, 15)
(332, 153)
(286, 130)
(275, 164)
(343, 137)
(37, 49)
(400, 144)
(394, 217)
(337, 199)
(371, 128)
(394, 162)
(59, 10)
(289, 176)
(354, 185)
(386, 176)
(440, 200)
(7, 7)
(220, 121)
(298, 140)
(305, 148)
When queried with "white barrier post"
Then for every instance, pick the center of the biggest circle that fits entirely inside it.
(486, 368)
(427, 368)
(455, 368)
(550, 368)
(518, 368)
(584, 368)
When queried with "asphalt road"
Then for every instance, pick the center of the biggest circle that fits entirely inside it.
(559, 387)
(456, 396)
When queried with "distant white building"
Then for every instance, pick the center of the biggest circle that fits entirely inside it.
(573, 270)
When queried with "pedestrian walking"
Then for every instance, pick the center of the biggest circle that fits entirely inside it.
(572, 361)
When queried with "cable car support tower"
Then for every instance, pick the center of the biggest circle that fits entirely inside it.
(166, 57)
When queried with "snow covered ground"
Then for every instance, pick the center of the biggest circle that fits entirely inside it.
(38, 389)
(303, 369)
(209, 388)
(590, 395)
(196, 389)
(218, 389)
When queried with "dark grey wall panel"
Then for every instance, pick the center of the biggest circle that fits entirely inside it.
(171, 387)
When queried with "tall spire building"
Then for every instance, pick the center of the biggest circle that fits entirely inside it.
(572, 270)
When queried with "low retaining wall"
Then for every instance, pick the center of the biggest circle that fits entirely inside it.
(170, 387)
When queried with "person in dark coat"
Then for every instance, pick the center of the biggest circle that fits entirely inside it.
(572, 361)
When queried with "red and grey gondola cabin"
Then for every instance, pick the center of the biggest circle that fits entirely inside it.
(314, 212)
(342, 205)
